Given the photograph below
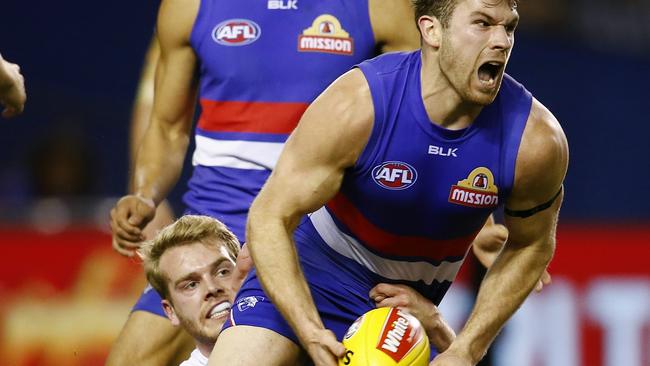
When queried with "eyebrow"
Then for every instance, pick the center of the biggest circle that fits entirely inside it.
(515, 19)
(191, 275)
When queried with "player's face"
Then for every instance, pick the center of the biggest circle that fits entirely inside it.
(476, 46)
(199, 280)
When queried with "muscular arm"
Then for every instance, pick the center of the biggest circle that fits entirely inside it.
(328, 139)
(160, 157)
(393, 25)
(540, 170)
(140, 117)
(161, 153)
(143, 104)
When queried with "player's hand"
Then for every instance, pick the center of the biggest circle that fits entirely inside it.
(440, 333)
(129, 216)
(12, 89)
(545, 280)
(488, 243)
(323, 348)
(242, 266)
(448, 358)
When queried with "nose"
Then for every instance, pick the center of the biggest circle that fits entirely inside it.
(214, 286)
(501, 39)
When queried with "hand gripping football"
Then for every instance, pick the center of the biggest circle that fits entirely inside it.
(386, 337)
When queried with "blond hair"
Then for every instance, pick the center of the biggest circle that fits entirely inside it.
(189, 229)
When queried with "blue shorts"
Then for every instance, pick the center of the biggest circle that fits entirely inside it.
(339, 298)
(339, 286)
(150, 302)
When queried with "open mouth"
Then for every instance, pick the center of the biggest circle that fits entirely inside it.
(489, 72)
(219, 310)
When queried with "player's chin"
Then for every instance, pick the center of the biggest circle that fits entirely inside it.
(211, 331)
(482, 96)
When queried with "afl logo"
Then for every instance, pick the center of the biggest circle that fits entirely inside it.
(394, 175)
(236, 32)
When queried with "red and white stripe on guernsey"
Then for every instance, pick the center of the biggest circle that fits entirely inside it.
(385, 267)
(246, 118)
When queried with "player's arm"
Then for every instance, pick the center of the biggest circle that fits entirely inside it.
(12, 89)
(393, 25)
(329, 138)
(140, 118)
(143, 104)
(536, 196)
(161, 154)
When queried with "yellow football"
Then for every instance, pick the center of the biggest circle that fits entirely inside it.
(386, 337)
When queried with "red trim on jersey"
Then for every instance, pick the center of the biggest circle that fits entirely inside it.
(387, 243)
(255, 117)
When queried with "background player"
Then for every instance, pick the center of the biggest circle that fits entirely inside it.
(147, 338)
(12, 89)
(374, 227)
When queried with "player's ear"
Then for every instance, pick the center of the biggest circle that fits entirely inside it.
(431, 30)
(170, 312)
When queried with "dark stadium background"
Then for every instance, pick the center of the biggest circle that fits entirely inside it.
(587, 61)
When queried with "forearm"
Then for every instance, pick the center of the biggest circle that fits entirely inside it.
(278, 268)
(507, 284)
(159, 161)
(143, 103)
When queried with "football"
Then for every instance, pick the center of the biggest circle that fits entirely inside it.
(386, 337)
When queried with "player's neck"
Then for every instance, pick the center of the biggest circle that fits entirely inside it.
(444, 105)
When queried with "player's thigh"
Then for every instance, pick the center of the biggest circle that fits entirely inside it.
(244, 345)
(150, 340)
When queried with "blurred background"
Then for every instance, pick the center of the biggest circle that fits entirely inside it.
(65, 294)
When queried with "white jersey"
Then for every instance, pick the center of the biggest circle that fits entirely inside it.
(196, 359)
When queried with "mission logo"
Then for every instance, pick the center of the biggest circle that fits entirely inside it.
(326, 35)
(236, 32)
(478, 190)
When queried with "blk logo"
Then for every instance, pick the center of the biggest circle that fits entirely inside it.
(236, 32)
(282, 5)
(441, 151)
(394, 175)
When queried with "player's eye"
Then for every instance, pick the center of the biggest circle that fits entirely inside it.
(223, 272)
(190, 285)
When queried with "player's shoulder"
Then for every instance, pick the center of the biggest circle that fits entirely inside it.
(349, 97)
(543, 131)
(543, 154)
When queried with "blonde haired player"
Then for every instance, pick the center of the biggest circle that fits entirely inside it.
(190, 263)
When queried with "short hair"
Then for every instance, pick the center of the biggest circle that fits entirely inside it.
(441, 9)
(187, 230)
